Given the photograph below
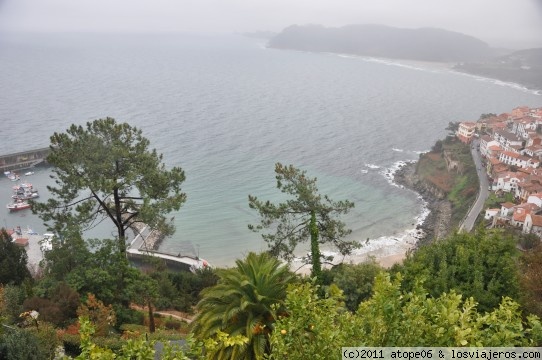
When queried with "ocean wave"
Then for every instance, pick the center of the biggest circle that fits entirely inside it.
(372, 166)
(397, 150)
(389, 173)
(508, 84)
(420, 151)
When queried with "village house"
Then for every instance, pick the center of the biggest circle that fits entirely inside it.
(520, 112)
(507, 209)
(491, 213)
(522, 127)
(528, 188)
(489, 147)
(515, 159)
(533, 225)
(520, 212)
(535, 199)
(465, 131)
(514, 142)
(507, 181)
(507, 140)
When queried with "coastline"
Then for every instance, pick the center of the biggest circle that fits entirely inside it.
(433, 224)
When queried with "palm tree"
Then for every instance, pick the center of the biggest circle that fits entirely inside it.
(242, 304)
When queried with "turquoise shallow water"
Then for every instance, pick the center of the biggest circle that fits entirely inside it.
(227, 108)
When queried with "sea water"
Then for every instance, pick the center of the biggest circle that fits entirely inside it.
(227, 108)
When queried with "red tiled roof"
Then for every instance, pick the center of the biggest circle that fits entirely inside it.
(511, 154)
(537, 220)
(494, 161)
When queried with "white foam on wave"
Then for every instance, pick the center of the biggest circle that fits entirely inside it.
(372, 166)
(512, 85)
(397, 150)
(385, 245)
(382, 246)
(420, 151)
(389, 173)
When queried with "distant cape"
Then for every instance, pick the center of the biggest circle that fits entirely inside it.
(424, 44)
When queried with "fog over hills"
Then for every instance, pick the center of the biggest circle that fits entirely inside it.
(426, 44)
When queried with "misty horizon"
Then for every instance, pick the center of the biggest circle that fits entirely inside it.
(515, 25)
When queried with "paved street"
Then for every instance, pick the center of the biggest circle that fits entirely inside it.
(468, 223)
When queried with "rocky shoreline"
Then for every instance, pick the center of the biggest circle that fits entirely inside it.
(437, 223)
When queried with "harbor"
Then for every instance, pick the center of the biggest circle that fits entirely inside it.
(23, 160)
(27, 230)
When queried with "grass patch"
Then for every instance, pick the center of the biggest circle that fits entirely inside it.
(461, 187)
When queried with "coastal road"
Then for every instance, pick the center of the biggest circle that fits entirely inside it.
(468, 222)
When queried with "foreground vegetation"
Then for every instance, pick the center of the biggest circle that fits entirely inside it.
(472, 289)
(467, 290)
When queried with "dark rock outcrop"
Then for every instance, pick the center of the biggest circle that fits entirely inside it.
(437, 224)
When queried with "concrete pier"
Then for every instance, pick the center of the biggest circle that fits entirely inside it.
(23, 160)
(145, 245)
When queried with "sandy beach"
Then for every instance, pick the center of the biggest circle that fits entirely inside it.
(389, 254)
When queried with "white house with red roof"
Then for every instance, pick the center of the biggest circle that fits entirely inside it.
(533, 225)
(465, 131)
(508, 181)
(506, 139)
(515, 159)
(507, 209)
(491, 213)
(535, 199)
(520, 213)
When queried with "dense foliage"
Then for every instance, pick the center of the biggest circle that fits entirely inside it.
(482, 265)
(318, 327)
(106, 170)
(13, 260)
(244, 302)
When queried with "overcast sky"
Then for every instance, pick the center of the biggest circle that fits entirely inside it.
(513, 23)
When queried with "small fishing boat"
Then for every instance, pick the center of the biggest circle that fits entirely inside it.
(22, 186)
(25, 195)
(18, 205)
(28, 173)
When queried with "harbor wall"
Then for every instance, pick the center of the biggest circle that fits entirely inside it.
(23, 160)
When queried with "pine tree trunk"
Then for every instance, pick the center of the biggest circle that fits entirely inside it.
(152, 326)
(315, 249)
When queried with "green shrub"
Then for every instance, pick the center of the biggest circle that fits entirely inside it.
(133, 328)
(172, 324)
(20, 344)
(128, 316)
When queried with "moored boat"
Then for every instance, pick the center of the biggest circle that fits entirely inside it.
(22, 186)
(18, 205)
(26, 195)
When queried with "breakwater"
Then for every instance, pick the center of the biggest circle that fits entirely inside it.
(23, 160)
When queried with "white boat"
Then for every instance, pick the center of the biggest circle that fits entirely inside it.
(28, 173)
(22, 186)
(26, 195)
(13, 176)
(18, 205)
